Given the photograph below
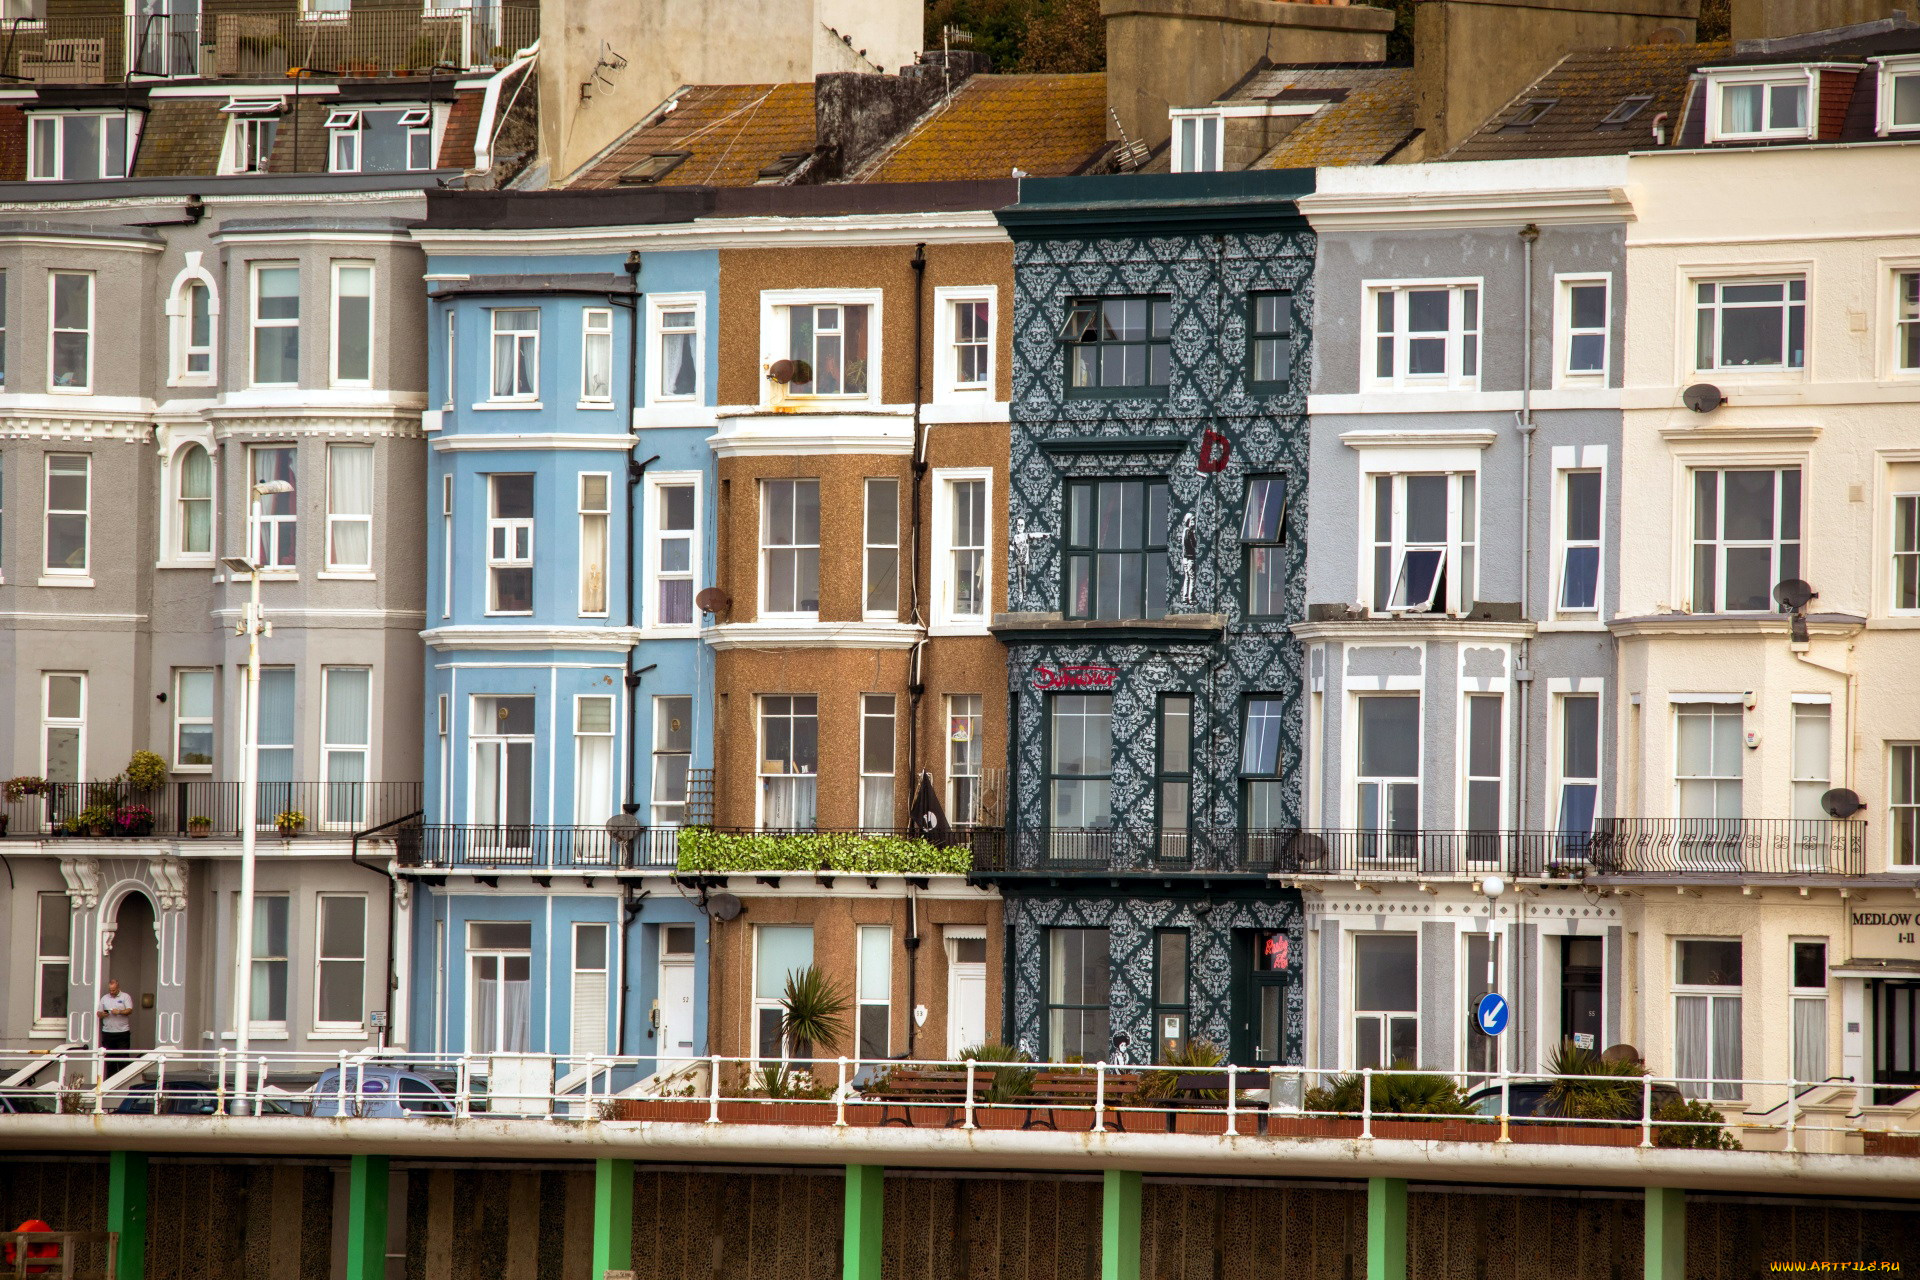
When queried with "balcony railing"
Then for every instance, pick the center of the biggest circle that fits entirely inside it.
(119, 810)
(1625, 846)
(697, 850)
(466, 847)
(361, 41)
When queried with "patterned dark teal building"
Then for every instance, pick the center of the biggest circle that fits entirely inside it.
(1158, 503)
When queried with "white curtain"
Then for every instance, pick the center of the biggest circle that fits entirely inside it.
(1740, 108)
(790, 804)
(196, 501)
(592, 779)
(1690, 1061)
(486, 1014)
(350, 503)
(1810, 1038)
(346, 729)
(677, 350)
(1726, 1046)
(516, 1018)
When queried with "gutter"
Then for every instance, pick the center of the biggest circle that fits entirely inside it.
(490, 107)
(393, 970)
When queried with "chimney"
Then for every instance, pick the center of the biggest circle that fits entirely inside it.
(856, 115)
(1471, 57)
(1186, 53)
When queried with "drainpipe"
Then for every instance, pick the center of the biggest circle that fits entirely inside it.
(353, 852)
(916, 672)
(636, 472)
(1523, 674)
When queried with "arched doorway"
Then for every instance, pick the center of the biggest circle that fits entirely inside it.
(135, 961)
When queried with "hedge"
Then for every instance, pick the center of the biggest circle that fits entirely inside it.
(729, 851)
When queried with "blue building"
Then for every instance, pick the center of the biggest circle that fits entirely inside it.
(566, 683)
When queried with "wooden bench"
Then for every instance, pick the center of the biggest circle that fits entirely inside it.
(902, 1087)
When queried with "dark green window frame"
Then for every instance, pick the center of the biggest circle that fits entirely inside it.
(1269, 340)
(1262, 735)
(1080, 1027)
(1263, 536)
(1126, 552)
(1118, 347)
(1172, 991)
(1173, 780)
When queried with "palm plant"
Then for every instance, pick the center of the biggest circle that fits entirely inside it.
(814, 1011)
(1400, 1093)
(1607, 1089)
(1196, 1053)
(1008, 1083)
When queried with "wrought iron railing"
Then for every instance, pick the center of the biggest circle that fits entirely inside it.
(360, 41)
(466, 846)
(697, 850)
(193, 809)
(1674, 847)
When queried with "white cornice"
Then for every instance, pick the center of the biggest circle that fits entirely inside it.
(767, 435)
(54, 417)
(527, 636)
(78, 240)
(1392, 439)
(532, 440)
(238, 421)
(1804, 433)
(1677, 625)
(1384, 211)
(813, 635)
(971, 227)
(1403, 630)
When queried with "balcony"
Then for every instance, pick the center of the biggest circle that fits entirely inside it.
(486, 849)
(1731, 848)
(362, 41)
(196, 810)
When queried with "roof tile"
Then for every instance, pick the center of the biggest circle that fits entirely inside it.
(1042, 125)
(730, 132)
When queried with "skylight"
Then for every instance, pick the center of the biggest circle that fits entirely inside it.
(1530, 114)
(1627, 109)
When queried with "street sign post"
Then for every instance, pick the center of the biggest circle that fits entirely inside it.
(1491, 1014)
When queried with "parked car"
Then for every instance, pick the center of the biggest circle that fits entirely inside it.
(378, 1091)
(1530, 1098)
(182, 1096)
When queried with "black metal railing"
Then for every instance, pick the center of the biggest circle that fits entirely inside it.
(707, 850)
(365, 40)
(463, 846)
(192, 809)
(1624, 846)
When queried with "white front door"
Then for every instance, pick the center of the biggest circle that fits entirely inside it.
(673, 1031)
(966, 994)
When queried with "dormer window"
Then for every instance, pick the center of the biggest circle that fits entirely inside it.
(1899, 94)
(81, 146)
(1754, 106)
(1197, 142)
(253, 128)
(379, 139)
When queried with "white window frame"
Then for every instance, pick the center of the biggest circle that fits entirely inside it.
(452, 350)
(334, 330)
(596, 329)
(446, 544)
(1776, 77)
(1592, 462)
(1896, 553)
(1820, 995)
(1457, 599)
(1713, 995)
(530, 397)
(947, 386)
(56, 171)
(658, 305)
(1903, 812)
(50, 721)
(321, 959)
(335, 519)
(1356, 780)
(255, 323)
(242, 153)
(863, 1001)
(1888, 72)
(1561, 691)
(1564, 331)
(265, 1028)
(1708, 362)
(1715, 706)
(575, 972)
(1463, 753)
(1809, 785)
(663, 749)
(180, 323)
(330, 750)
(1197, 148)
(767, 549)
(1459, 351)
(260, 520)
(65, 573)
(653, 507)
(181, 720)
(581, 737)
(515, 557)
(1384, 1017)
(946, 620)
(875, 708)
(764, 1003)
(344, 143)
(775, 342)
(1904, 322)
(43, 959)
(91, 330)
(1722, 545)
(762, 777)
(887, 544)
(969, 752)
(594, 537)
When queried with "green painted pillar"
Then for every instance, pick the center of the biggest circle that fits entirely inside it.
(612, 1216)
(367, 1218)
(127, 1212)
(866, 1203)
(1386, 1229)
(1666, 1250)
(1120, 1226)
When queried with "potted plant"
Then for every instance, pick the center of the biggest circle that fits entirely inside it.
(289, 822)
(96, 819)
(198, 826)
(26, 784)
(147, 771)
(1005, 1085)
(133, 820)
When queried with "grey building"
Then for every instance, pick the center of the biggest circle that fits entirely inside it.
(1465, 435)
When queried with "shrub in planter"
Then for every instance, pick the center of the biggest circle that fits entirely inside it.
(26, 784)
(289, 822)
(199, 826)
(1694, 1123)
(1005, 1084)
(1605, 1090)
(133, 820)
(702, 849)
(1399, 1093)
(147, 770)
(96, 819)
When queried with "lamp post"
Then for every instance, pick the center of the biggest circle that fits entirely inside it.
(252, 626)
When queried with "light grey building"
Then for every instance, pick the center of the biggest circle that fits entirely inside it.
(1465, 435)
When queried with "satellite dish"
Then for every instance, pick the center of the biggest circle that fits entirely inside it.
(790, 371)
(1620, 1053)
(1842, 802)
(723, 906)
(1702, 397)
(1305, 850)
(713, 600)
(1793, 593)
(623, 827)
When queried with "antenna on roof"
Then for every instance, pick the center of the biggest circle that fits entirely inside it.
(1129, 155)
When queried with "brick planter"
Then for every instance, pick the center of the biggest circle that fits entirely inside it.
(682, 1110)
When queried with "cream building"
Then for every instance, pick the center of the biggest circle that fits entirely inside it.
(1767, 939)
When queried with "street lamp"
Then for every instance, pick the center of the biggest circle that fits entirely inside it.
(252, 626)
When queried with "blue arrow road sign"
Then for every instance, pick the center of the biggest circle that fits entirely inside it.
(1492, 1013)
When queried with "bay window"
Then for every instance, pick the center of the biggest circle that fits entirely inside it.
(790, 546)
(352, 323)
(346, 728)
(1746, 538)
(516, 355)
(1707, 747)
(789, 762)
(1116, 552)
(276, 325)
(70, 336)
(275, 517)
(828, 345)
(350, 507)
(876, 761)
(1387, 781)
(1484, 782)
(69, 514)
(510, 544)
(1386, 1001)
(193, 333)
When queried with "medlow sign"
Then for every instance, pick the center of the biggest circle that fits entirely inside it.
(1885, 935)
(1046, 679)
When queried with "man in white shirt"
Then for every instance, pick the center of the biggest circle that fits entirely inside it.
(116, 1021)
